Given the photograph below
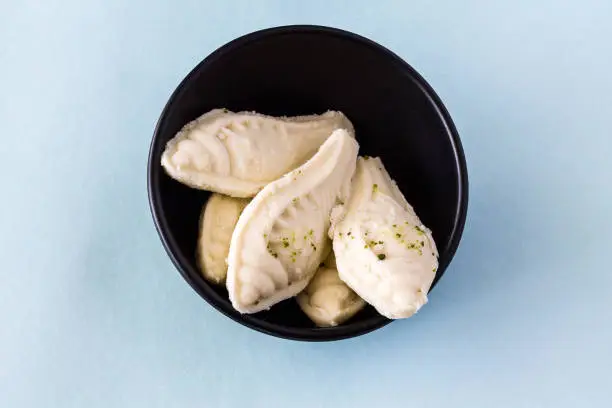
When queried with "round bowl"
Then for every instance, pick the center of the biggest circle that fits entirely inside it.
(296, 70)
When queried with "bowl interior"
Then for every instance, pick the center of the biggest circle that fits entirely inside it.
(306, 70)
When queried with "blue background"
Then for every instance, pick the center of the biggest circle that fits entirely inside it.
(93, 314)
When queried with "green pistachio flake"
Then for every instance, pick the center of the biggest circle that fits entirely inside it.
(274, 254)
(382, 256)
(374, 188)
(398, 235)
(285, 244)
(422, 243)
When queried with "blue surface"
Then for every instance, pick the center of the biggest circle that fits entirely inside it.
(93, 314)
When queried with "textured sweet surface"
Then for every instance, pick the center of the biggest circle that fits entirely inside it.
(327, 300)
(239, 153)
(219, 217)
(383, 251)
(281, 237)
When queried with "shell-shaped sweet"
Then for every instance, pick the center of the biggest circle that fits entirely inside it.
(327, 300)
(383, 251)
(281, 237)
(217, 223)
(237, 154)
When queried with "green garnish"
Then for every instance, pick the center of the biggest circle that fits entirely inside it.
(382, 256)
(398, 235)
(274, 254)
(374, 188)
(415, 246)
(285, 244)
(422, 243)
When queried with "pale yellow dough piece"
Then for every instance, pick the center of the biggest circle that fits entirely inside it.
(281, 237)
(217, 223)
(383, 251)
(328, 301)
(237, 154)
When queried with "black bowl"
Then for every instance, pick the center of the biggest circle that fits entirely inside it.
(303, 70)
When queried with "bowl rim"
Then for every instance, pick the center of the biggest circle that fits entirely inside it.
(203, 288)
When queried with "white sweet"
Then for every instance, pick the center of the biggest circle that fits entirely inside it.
(239, 153)
(281, 237)
(383, 251)
(217, 222)
(327, 300)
